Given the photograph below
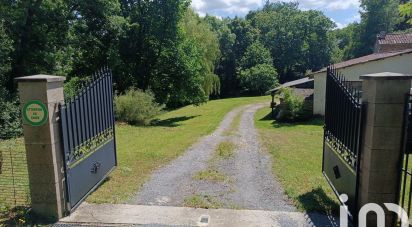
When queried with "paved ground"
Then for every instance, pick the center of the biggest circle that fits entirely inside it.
(130, 215)
(250, 183)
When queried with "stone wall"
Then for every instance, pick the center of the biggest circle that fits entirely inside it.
(382, 48)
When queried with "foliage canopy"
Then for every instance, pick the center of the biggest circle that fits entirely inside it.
(164, 46)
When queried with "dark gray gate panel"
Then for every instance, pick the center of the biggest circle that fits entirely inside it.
(86, 174)
(340, 176)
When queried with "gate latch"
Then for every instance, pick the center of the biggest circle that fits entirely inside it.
(96, 166)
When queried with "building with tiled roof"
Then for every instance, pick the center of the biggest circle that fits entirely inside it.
(368, 58)
(393, 42)
(393, 53)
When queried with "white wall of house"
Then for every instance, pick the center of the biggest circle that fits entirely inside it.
(397, 64)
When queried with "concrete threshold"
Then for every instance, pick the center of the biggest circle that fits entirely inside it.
(131, 215)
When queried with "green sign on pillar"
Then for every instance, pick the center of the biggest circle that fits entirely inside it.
(35, 113)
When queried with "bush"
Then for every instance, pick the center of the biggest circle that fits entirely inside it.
(73, 86)
(10, 121)
(292, 107)
(137, 107)
(258, 79)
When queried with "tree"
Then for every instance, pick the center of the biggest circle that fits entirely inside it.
(182, 84)
(255, 70)
(358, 39)
(38, 29)
(405, 10)
(6, 48)
(208, 44)
(153, 28)
(226, 65)
(96, 26)
(347, 40)
(235, 36)
(185, 73)
(320, 41)
(405, 22)
(10, 124)
(244, 35)
(62, 37)
(258, 79)
(255, 54)
(376, 16)
(298, 40)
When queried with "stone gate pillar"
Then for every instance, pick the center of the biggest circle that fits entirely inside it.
(40, 96)
(384, 95)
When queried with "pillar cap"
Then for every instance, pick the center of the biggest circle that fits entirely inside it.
(41, 78)
(386, 76)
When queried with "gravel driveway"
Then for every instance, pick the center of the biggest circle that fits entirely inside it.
(250, 184)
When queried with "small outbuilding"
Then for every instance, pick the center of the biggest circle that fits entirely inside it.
(390, 56)
(303, 88)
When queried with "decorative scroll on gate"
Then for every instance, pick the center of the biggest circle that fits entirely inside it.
(343, 120)
(88, 130)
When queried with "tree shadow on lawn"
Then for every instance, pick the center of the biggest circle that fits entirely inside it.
(171, 122)
(320, 209)
(318, 201)
(316, 121)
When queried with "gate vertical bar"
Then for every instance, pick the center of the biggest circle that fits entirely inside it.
(81, 118)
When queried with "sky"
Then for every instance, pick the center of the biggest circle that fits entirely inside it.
(342, 12)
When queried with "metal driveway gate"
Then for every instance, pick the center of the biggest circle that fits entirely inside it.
(405, 183)
(88, 132)
(341, 153)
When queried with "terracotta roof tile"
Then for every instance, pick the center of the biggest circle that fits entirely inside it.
(396, 39)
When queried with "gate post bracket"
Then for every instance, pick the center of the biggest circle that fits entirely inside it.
(384, 95)
(40, 96)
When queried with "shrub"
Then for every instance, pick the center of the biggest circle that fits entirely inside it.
(10, 121)
(73, 86)
(137, 107)
(258, 79)
(292, 107)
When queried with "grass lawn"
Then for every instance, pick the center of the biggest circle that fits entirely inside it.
(14, 183)
(14, 180)
(141, 150)
(297, 161)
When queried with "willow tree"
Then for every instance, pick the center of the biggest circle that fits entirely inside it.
(207, 43)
